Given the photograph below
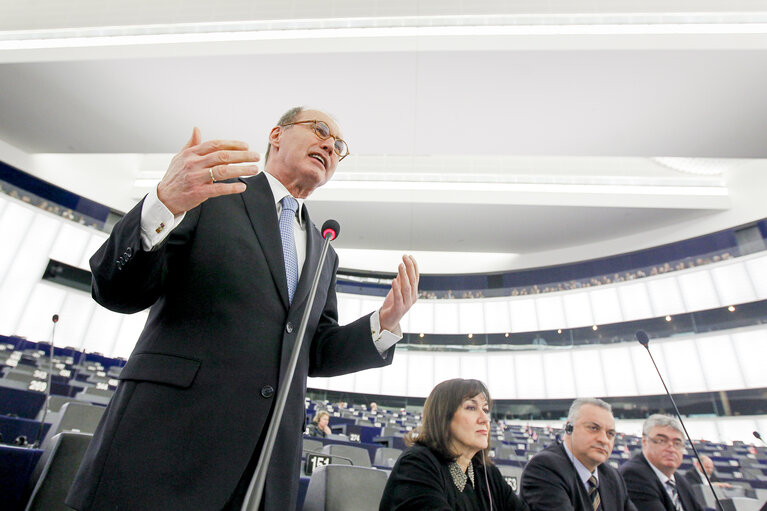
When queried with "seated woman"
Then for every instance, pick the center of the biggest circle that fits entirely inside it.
(448, 465)
(319, 426)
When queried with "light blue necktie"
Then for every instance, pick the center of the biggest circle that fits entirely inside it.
(674, 495)
(289, 208)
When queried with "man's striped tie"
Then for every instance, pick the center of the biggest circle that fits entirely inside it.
(594, 494)
(674, 495)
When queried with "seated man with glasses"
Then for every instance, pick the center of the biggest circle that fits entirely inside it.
(575, 475)
(651, 475)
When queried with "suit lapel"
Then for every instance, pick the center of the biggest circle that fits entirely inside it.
(583, 494)
(259, 203)
(605, 492)
(313, 250)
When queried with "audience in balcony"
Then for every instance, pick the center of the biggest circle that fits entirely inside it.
(448, 465)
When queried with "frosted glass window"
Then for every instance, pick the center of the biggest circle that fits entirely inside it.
(14, 227)
(703, 429)
(605, 305)
(348, 308)
(343, 383)
(501, 377)
(394, 382)
(71, 242)
(102, 331)
(757, 269)
(317, 383)
(96, 240)
(36, 320)
(619, 371)
(698, 290)
(420, 377)
(578, 309)
(560, 380)
(665, 296)
(496, 316)
(369, 381)
(471, 317)
(635, 302)
(551, 313)
(589, 380)
(531, 382)
(445, 317)
(733, 283)
(720, 365)
(646, 377)
(369, 305)
(737, 429)
(522, 314)
(422, 317)
(75, 316)
(25, 271)
(473, 365)
(130, 329)
(447, 367)
(751, 349)
(683, 366)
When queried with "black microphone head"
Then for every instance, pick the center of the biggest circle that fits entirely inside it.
(757, 435)
(55, 318)
(641, 336)
(330, 228)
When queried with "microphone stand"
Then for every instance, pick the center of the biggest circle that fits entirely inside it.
(36, 443)
(644, 341)
(256, 488)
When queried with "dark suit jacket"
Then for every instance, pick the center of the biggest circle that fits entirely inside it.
(551, 483)
(693, 477)
(196, 395)
(420, 481)
(646, 490)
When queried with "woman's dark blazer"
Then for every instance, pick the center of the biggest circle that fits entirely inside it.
(419, 481)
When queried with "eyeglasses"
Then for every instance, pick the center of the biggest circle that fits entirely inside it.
(322, 130)
(664, 441)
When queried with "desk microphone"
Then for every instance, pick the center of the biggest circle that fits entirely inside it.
(759, 437)
(644, 340)
(36, 443)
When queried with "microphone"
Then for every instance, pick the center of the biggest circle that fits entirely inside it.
(255, 491)
(330, 228)
(644, 340)
(759, 437)
(36, 443)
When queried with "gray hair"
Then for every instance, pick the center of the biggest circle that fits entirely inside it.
(575, 408)
(659, 420)
(286, 118)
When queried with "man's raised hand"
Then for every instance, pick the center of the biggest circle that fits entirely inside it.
(193, 174)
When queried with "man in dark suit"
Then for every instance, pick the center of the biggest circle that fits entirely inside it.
(695, 474)
(651, 475)
(227, 268)
(574, 475)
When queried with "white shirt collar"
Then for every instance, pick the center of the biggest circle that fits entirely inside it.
(580, 468)
(279, 191)
(663, 478)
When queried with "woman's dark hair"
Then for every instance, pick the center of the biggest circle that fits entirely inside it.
(438, 411)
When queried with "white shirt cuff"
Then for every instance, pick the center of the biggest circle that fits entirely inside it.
(156, 221)
(383, 339)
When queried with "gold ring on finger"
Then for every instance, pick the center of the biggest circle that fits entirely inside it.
(212, 178)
